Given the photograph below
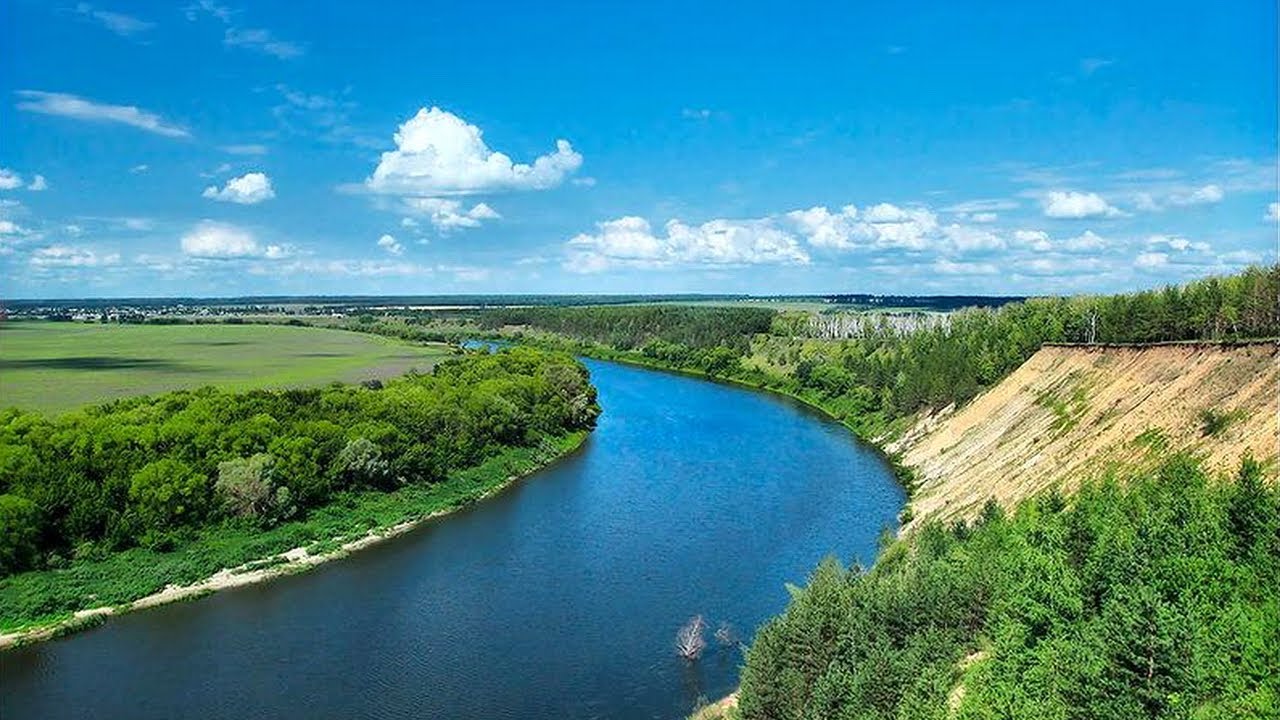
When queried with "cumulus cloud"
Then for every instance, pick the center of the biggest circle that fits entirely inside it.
(215, 240)
(64, 256)
(880, 226)
(1071, 205)
(1205, 195)
(440, 154)
(248, 189)
(1037, 240)
(631, 242)
(1176, 243)
(446, 214)
(390, 244)
(1086, 241)
(1151, 260)
(118, 23)
(9, 180)
(78, 108)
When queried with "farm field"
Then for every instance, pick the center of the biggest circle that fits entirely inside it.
(56, 367)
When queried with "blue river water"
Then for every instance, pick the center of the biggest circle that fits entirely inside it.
(559, 598)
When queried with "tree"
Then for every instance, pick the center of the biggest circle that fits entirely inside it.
(166, 494)
(19, 533)
(361, 463)
(246, 486)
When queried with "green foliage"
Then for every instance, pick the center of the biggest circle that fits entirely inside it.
(631, 327)
(154, 470)
(1214, 422)
(1153, 598)
(167, 494)
(889, 371)
(98, 578)
(19, 532)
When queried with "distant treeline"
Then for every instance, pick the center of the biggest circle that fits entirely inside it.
(1153, 599)
(892, 370)
(148, 471)
(631, 327)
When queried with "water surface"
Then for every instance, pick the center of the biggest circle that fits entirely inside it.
(559, 598)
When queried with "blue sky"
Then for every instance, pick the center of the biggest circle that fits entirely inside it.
(202, 148)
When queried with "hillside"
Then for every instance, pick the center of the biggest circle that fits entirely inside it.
(1069, 413)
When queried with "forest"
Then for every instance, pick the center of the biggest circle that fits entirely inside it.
(152, 472)
(889, 372)
(1142, 597)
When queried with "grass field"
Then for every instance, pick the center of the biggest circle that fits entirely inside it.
(54, 367)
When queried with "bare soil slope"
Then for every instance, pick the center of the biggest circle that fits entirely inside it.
(1072, 413)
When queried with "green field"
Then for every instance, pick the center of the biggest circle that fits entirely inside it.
(54, 367)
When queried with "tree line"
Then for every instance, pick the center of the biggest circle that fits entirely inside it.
(890, 370)
(148, 471)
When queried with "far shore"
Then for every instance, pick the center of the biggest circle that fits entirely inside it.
(291, 562)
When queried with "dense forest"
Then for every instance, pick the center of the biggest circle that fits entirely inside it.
(150, 471)
(1157, 597)
(889, 372)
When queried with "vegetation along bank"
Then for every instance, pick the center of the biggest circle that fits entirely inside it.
(117, 502)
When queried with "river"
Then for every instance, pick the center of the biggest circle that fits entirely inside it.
(559, 598)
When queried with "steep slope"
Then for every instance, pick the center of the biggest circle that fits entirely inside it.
(1069, 413)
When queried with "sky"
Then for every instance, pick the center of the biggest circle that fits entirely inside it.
(209, 149)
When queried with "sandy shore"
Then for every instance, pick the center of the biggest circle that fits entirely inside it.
(288, 563)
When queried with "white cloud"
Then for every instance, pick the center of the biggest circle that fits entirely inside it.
(948, 267)
(248, 189)
(78, 108)
(390, 244)
(1091, 65)
(1185, 197)
(631, 242)
(1273, 212)
(695, 113)
(440, 154)
(1084, 242)
(1068, 204)
(447, 214)
(1151, 260)
(969, 239)
(9, 227)
(880, 226)
(1037, 240)
(118, 23)
(257, 39)
(9, 180)
(62, 256)
(1177, 244)
(139, 169)
(263, 41)
(252, 149)
(1207, 195)
(984, 217)
(216, 240)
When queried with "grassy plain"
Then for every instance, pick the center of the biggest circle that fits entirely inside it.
(54, 367)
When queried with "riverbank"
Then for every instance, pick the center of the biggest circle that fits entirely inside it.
(370, 519)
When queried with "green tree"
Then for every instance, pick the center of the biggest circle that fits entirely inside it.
(166, 494)
(19, 533)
